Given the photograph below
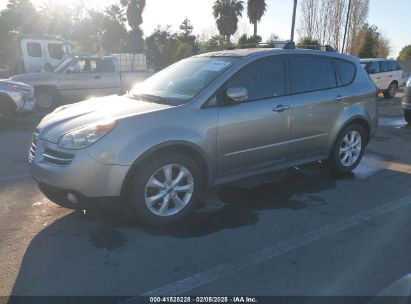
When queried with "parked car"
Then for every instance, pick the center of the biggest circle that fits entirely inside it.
(406, 101)
(204, 121)
(75, 79)
(386, 74)
(14, 97)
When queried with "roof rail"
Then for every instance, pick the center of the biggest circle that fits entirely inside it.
(286, 45)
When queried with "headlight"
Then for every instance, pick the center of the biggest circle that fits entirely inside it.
(84, 137)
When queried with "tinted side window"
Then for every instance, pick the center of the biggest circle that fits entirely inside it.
(34, 49)
(394, 66)
(263, 78)
(311, 74)
(56, 51)
(346, 71)
(384, 66)
(105, 66)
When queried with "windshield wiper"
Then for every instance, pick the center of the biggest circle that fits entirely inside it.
(155, 98)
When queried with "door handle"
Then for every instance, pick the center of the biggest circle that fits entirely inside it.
(281, 108)
(340, 98)
(97, 77)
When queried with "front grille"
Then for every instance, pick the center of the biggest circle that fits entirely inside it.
(33, 147)
(57, 158)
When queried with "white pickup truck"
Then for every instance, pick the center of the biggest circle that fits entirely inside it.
(79, 78)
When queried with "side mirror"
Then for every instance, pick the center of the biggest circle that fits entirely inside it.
(237, 95)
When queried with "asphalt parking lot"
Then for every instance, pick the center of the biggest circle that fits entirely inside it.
(301, 231)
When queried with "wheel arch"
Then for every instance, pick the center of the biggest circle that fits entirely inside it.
(184, 147)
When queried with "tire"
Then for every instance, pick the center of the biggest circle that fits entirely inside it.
(407, 116)
(46, 99)
(6, 113)
(392, 90)
(338, 162)
(168, 205)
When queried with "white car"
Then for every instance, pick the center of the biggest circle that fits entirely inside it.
(386, 74)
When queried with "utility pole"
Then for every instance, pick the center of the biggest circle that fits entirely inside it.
(346, 25)
(293, 22)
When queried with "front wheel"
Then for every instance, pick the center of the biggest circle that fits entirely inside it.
(407, 116)
(46, 99)
(392, 90)
(348, 150)
(165, 189)
(5, 112)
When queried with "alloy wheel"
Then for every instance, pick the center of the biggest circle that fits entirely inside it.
(169, 190)
(350, 148)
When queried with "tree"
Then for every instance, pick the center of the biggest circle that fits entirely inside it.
(134, 12)
(309, 19)
(308, 43)
(227, 13)
(372, 43)
(165, 48)
(255, 11)
(405, 53)
(216, 43)
(356, 21)
(248, 42)
(114, 32)
(185, 35)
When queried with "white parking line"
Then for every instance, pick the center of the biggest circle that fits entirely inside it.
(224, 270)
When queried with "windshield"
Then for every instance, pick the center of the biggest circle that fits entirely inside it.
(182, 81)
(62, 66)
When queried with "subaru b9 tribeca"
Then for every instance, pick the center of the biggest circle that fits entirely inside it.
(204, 121)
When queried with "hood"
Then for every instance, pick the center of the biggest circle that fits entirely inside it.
(33, 77)
(16, 86)
(71, 117)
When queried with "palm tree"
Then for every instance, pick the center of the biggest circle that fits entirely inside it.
(255, 11)
(134, 13)
(226, 13)
(116, 13)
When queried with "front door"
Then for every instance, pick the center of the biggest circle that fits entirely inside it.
(254, 134)
(80, 81)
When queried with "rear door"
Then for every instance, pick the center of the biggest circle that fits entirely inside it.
(255, 133)
(385, 75)
(373, 69)
(318, 102)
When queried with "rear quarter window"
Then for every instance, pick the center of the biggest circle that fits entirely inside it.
(34, 49)
(309, 73)
(346, 70)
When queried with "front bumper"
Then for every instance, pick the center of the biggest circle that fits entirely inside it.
(406, 99)
(80, 175)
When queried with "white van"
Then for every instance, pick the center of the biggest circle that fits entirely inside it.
(385, 73)
(37, 51)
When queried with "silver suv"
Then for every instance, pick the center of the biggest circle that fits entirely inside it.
(204, 121)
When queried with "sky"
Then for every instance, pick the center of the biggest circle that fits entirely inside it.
(391, 17)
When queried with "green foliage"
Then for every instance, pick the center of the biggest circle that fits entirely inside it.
(216, 43)
(134, 12)
(372, 43)
(405, 54)
(165, 48)
(307, 43)
(227, 13)
(185, 35)
(249, 42)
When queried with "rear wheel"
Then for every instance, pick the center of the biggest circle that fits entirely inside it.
(392, 90)
(348, 150)
(407, 116)
(6, 112)
(46, 99)
(165, 189)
